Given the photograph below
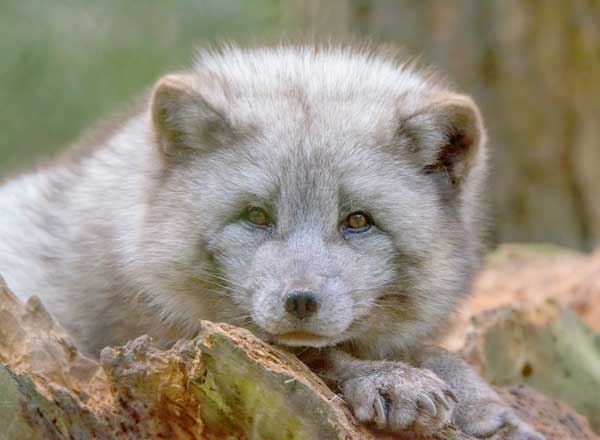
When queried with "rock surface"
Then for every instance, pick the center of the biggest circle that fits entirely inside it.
(528, 275)
(228, 384)
(546, 348)
(550, 417)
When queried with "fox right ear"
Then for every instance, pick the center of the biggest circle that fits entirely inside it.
(448, 139)
(182, 118)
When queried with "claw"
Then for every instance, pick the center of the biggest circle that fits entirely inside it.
(440, 398)
(380, 413)
(448, 392)
(425, 403)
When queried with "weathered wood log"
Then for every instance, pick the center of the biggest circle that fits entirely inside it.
(30, 340)
(226, 383)
(229, 384)
(32, 408)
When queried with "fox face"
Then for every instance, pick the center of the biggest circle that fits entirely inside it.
(315, 196)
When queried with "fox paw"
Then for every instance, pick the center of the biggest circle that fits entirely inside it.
(493, 420)
(397, 398)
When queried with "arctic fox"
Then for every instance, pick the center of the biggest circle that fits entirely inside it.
(321, 196)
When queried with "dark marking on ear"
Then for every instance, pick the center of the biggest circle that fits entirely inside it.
(444, 139)
(451, 157)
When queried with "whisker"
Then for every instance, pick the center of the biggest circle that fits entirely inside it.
(224, 279)
(222, 286)
(219, 292)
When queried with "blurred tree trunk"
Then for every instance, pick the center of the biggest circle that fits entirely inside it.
(534, 67)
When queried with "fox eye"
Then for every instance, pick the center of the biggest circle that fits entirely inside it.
(358, 221)
(257, 216)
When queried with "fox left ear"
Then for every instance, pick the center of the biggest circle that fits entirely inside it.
(450, 138)
(182, 117)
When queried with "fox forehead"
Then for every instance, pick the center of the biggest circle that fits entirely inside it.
(293, 88)
(329, 71)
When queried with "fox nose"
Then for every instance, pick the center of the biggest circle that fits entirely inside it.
(301, 303)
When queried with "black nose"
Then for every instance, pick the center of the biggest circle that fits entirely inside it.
(301, 303)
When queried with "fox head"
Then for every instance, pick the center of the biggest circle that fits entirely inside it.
(316, 195)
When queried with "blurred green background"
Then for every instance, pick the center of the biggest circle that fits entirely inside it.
(65, 63)
(533, 65)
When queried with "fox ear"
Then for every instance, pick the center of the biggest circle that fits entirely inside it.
(449, 136)
(182, 117)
